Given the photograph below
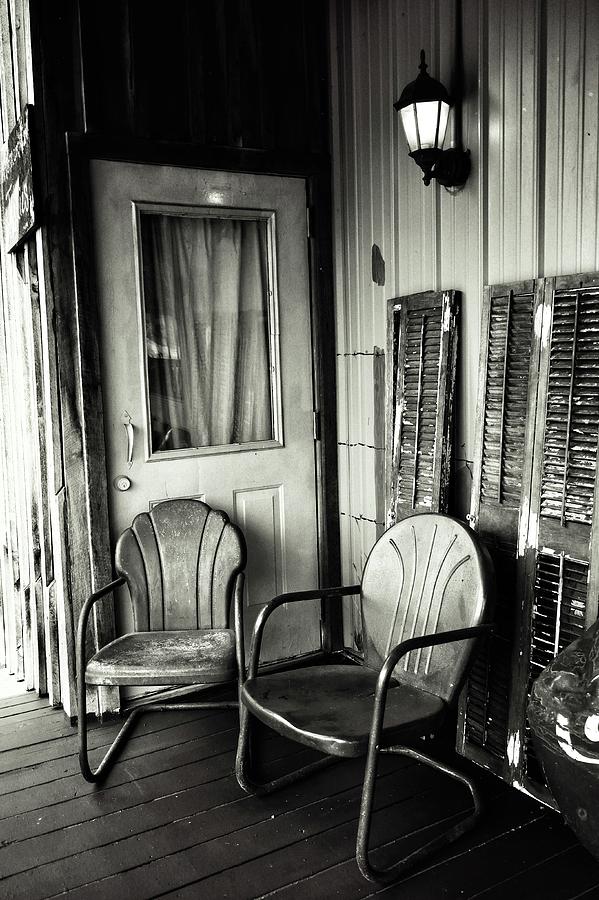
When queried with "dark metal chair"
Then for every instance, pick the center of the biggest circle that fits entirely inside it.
(424, 599)
(183, 564)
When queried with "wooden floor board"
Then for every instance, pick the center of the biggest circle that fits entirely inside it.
(120, 825)
(473, 870)
(310, 851)
(235, 860)
(22, 699)
(227, 810)
(195, 742)
(47, 771)
(27, 711)
(569, 872)
(343, 878)
(99, 736)
(172, 821)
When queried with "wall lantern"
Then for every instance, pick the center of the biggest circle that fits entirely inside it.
(424, 107)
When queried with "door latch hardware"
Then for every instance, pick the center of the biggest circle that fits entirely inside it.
(128, 425)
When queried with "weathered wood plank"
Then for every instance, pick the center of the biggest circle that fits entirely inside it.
(570, 873)
(528, 844)
(250, 73)
(260, 859)
(15, 357)
(163, 752)
(108, 800)
(378, 433)
(41, 463)
(91, 481)
(65, 763)
(24, 711)
(24, 699)
(106, 55)
(236, 833)
(177, 819)
(179, 824)
(7, 570)
(50, 747)
(40, 521)
(21, 51)
(8, 89)
(339, 872)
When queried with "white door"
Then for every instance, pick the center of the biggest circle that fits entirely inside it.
(207, 365)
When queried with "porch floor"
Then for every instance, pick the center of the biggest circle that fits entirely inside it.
(172, 821)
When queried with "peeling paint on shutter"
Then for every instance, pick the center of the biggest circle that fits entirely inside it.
(557, 619)
(422, 343)
(572, 419)
(501, 484)
(506, 396)
(560, 600)
(548, 595)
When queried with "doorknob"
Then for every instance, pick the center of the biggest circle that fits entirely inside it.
(128, 425)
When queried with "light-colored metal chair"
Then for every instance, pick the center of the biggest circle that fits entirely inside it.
(424, 597)
(183, 564)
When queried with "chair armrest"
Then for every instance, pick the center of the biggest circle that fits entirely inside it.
(405, 647)
(84, 616)
(290, 597)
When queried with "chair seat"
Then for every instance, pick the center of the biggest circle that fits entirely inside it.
(166, 657)
(330, 707)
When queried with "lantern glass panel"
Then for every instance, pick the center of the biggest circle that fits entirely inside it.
(429, 113)
(408, 120)
(443, 117)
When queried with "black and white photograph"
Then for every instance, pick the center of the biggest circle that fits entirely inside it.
(299, 439)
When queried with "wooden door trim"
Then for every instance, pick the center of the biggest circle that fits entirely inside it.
(315, 170)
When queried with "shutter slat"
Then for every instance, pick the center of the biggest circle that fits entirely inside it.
(558, 618)
(572, 417)
(506, 397)
(552, 503)
(508, 374)
(422, 335)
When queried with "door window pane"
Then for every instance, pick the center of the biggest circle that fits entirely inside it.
(208, 334)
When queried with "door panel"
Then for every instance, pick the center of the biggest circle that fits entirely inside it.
(206, 351)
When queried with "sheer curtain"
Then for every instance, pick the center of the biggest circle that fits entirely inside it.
(207, 341)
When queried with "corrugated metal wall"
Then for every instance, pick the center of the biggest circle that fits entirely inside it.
(529, 208)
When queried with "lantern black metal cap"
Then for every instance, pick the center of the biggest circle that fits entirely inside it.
(423, 88)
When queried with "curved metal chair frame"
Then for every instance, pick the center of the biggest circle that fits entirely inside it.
(232, 595)
(381, 739)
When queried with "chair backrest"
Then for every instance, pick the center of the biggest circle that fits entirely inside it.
(180, 561)
(426, 574)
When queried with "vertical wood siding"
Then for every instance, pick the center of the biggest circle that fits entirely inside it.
(529, 208)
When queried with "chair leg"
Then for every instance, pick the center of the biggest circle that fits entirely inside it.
(108, 760)
(397, 870)
(110, 757)
(243, 762)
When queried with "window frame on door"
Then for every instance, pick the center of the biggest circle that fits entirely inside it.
(202, 211)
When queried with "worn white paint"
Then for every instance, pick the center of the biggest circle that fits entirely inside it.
(514, 747)
(530, 207)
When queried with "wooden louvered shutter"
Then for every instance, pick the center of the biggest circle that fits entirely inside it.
(421, 354)
(561, 593)
(509, 362)
(535, 492)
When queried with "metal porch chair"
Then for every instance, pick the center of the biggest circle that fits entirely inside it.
(424, 599)
(183, 565)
